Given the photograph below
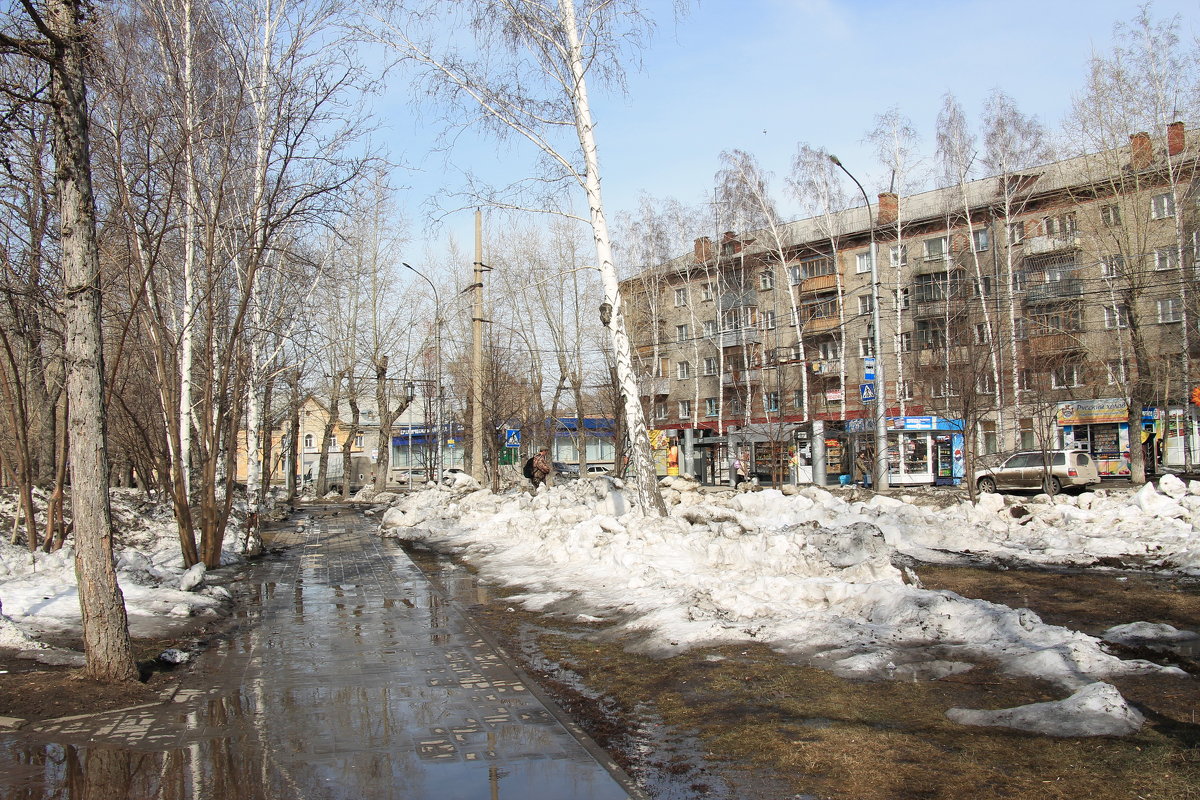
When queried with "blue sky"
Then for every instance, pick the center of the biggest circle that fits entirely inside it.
(765, 75)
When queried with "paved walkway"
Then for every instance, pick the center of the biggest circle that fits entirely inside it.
(349, 677)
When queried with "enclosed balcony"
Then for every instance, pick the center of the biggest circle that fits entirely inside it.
(653, 386)
(1037, 245)
(1053, 291)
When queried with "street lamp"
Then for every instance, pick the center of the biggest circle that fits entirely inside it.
(410, 391)
(437, 402)
(880, 477)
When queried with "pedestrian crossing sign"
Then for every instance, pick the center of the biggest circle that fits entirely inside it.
(867, 392)
(512, 437)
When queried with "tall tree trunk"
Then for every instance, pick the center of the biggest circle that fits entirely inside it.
(105, 625)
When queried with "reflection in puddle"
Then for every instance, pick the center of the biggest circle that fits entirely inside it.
(348, 677)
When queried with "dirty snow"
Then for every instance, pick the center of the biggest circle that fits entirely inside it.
(1097, 709)
(808, 572)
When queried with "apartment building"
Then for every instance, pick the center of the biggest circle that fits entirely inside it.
(1054, 306)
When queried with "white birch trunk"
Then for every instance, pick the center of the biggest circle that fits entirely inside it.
(643, 465)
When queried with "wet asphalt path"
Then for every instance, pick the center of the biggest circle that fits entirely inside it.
(349, 676)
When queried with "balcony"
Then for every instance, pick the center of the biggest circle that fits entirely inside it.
(1053, 291)
(1036, 245)
(653, 386)
(1051, 344)
(742, 377)
(815, 325)
(818, 283)
(928, 266)
(740, 337)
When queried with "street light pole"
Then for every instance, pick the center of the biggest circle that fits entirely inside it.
(880, 477)
(437, 401)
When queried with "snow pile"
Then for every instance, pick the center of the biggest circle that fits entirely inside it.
(1097, 709)
(39, 590)
(809, 574)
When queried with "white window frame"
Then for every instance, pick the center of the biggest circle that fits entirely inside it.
(795, 275)
(706, 291)
(771, 402)
(1016, 232)
(660, 410)
(981, 239)
(682, 333)
(797, 398)
(1169, 310)
(683, 370)
(898, 255)
(1112, 266)
(1162, 206)
(865, 304)
(862, 262)
(937, 248)
(681, 296)
(1065, 376)
(712, 407)
(768, 320)
(309, 441)
(866, 347)
(1166, 258)
(1110, 215)
(685, 409)
(985, 383)
(710, 365)
(1116, 371)
(710, 327)
(1116, 317)
(766, 281)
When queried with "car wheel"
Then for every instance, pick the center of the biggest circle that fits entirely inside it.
(1052, 486)
(986, 484)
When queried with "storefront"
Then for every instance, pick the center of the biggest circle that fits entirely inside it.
(1099, 427)
(924, 451)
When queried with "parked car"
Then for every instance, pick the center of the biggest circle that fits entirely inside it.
(1027, 470)
(564, 470)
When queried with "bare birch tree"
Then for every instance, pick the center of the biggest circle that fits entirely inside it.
(528, 74)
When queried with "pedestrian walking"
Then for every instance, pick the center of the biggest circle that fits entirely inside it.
(538, 467)
(738, 471)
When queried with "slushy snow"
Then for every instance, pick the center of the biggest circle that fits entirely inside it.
(806, 572)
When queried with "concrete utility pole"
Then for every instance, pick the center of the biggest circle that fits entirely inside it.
(477, 432)
(879, 479)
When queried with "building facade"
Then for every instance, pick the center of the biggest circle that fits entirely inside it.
(1054, 306)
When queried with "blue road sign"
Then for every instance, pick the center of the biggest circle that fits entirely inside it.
(512, 437)
(869, 368)
(867, 392)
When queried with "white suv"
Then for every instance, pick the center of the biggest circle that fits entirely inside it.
(1028, 470)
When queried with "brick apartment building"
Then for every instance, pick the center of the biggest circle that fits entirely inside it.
(1029, 309)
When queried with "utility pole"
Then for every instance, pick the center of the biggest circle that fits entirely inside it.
(477, 433)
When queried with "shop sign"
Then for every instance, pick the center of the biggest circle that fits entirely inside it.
(833, 396)
(1092, 412)
(911, 423)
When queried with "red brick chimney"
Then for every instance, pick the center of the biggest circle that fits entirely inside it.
(1140, 151)
(1175, 138)
(730, 245)
(702, 250)
(889, 208)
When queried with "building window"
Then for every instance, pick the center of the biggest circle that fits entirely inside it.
(308, 441)
(1020, 329)
(681, 296)
(937, 249)
(766, 281)
(981, 334)
(865, 305)
(685, 409)
(660, 410)
(814, 267)
(830, 349)
(898, 255)
(906, 390)
(1110, 215)
(681, 333)
(1064, 376)
(683, 369)
(797, 398)
(985, 383)
(332, 444)
(866, 347)
(1018, 281)
(930, 335)
(1061, 225)
(1116, 371)
(1112, 267)
(358, 440)
(710, 327)
(983, 286)
(768, 320)
(1016, 232)
(903, 297)
(1166, 258)
(1169, 310)
(905, 342)
(737, 406)
(981, 239)
(706, 291)
(1116, 316)
(1025, 431)
(1162, 206)
(989, 442)
(710, 366)
(711, 407)
(862, 262)
(772, 401)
